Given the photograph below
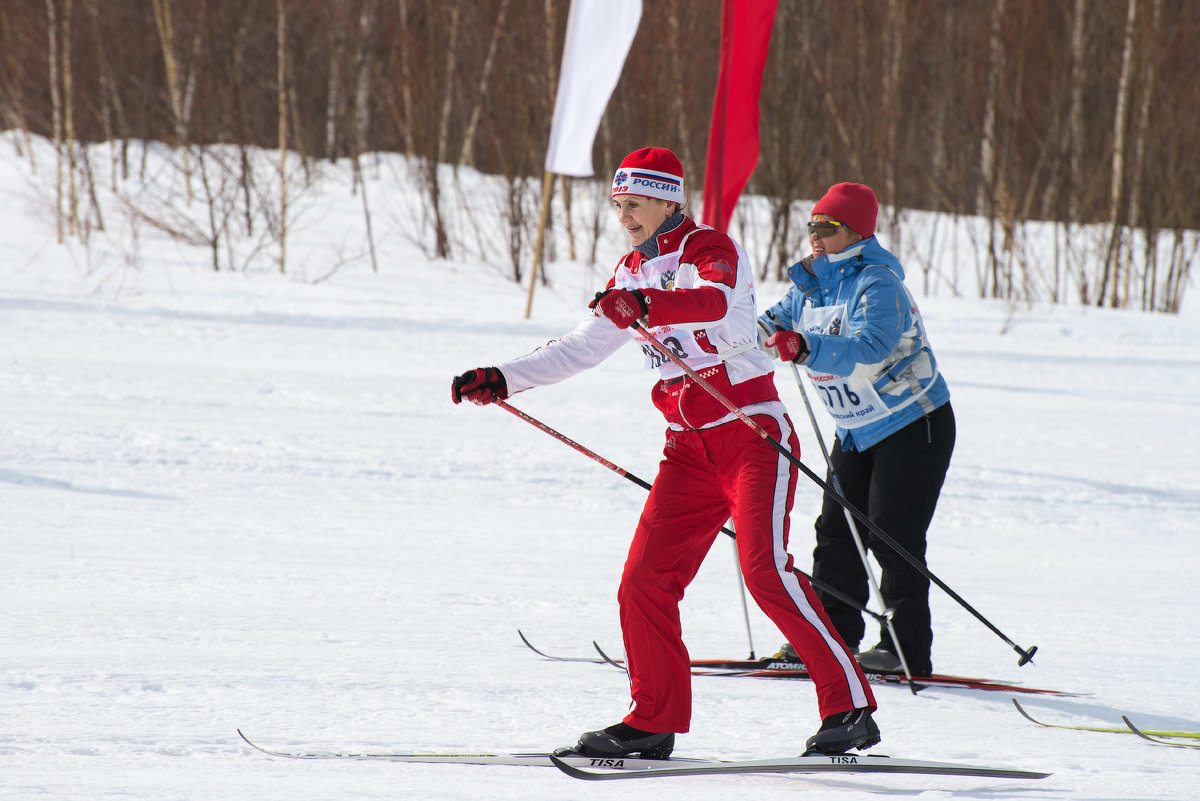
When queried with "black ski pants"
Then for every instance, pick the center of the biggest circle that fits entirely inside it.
(896, 482)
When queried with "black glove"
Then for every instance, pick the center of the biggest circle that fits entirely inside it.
(480, 386)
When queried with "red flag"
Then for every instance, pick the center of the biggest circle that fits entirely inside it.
(733, 137)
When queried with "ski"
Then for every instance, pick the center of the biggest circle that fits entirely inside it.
(522, 760)
(786, 670)
(1159, 737)
(1144, 733)
(771, 668)
(593, 660)
(598, 768)
(841, 763)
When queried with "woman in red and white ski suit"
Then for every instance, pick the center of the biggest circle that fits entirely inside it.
(693, 289)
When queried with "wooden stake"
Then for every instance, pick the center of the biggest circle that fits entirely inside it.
(547, 188)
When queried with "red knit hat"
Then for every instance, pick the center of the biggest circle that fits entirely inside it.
(651, 171)
(852, 204)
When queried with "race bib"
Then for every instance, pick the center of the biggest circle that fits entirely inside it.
(850, 400)
(661, 273)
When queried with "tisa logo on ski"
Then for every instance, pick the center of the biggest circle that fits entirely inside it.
(607, 762)
(843, 759)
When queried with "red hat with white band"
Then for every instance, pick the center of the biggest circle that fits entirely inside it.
(652, 172)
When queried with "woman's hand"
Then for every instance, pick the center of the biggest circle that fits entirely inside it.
(480, 386)
(623, 306)
(792, 347)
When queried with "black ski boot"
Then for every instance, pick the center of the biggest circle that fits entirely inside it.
(843, 731)
(622, 740)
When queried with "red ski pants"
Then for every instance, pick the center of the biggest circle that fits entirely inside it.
(707, 477)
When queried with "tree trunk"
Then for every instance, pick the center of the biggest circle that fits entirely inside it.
(18, 118)
(166, 35)
(894, 53)
(985, 198)
(466, 156)
(56, 113)
(362, 82)
(281, 78)
(406, 80)
(112, 113)
(1113, 266)
(1075, 139)
(435, 159)
(1139, 215)
(73, 225)
(333, 90)
(443, 130)
(673, 65)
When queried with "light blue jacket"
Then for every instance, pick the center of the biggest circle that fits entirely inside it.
(883, 341)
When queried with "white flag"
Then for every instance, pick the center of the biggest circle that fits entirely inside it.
(599, 34)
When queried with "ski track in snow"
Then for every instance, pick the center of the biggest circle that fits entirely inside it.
(246, 501)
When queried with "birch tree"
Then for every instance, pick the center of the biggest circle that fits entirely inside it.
(1075, 141)
(466, 156)
(56, 112)
(985, 197)
(1140, 212)
(333, 93)
(1113, 267)
(282, 105)
(406, 80)
(68, 101)
(166, 37)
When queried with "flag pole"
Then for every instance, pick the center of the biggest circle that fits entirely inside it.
(547, 188)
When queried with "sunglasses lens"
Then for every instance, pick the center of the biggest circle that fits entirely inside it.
(822, 229)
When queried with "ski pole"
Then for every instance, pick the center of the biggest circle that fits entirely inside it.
(1026, 654)
(858, 541)
(737, 568)
(533, 421)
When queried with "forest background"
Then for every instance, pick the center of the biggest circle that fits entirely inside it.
(1061, 133)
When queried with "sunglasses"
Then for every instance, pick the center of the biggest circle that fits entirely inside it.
(824, 228)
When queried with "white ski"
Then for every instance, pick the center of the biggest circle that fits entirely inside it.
(842, 763)
(600, 768)
(529, 760)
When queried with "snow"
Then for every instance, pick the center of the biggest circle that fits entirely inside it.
(243, 499)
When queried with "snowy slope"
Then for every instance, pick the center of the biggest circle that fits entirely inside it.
(245, 500)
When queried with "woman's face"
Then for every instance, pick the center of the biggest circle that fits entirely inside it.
(641, 216)
(842, 238)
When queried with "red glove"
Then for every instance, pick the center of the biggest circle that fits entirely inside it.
(623, 306)
(792, 347)
(480, 386)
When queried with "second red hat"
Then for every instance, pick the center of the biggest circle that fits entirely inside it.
(852, 204)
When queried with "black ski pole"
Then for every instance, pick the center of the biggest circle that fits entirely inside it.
(1026, 654)
(533, 421)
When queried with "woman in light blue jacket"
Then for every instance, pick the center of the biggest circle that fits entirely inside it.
(852, 324)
